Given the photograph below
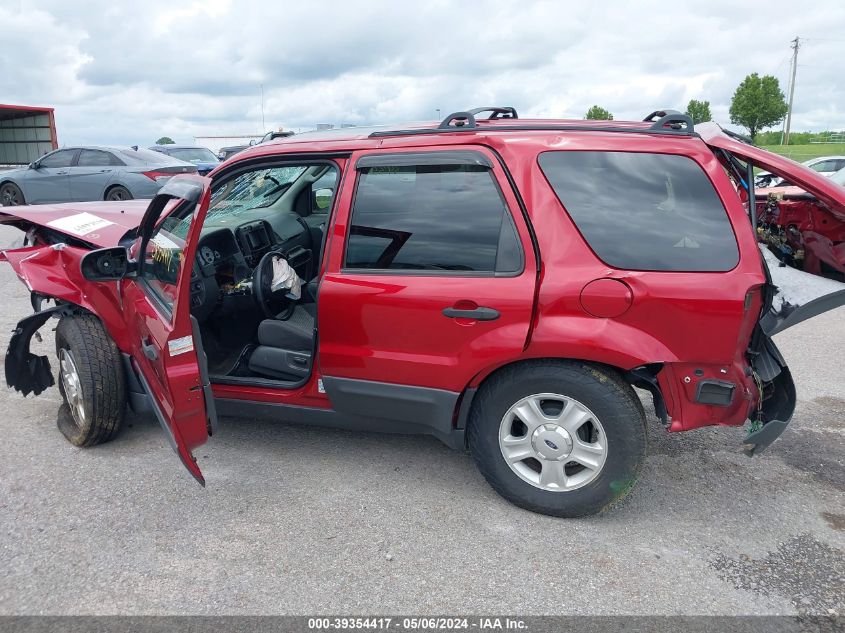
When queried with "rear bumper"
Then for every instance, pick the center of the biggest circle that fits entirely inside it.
(777, 397)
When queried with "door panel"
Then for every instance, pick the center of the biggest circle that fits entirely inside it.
(49, 183)
(88, 177)
(157, 303)
(386, 324)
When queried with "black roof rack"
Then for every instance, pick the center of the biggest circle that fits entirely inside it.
(497, 112)
(668, 122)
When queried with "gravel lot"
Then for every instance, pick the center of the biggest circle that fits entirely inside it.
(303, 521)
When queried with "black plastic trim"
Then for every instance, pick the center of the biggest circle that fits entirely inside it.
(425, 406)
(154, 406)
(496, 112)
(466, 406)
(310, 416)
(540, 127)
(719, 393)
(26, 372)
(137, 397)
(411, 159)
(205, 382)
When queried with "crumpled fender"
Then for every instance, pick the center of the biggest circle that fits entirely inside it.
(54, 271)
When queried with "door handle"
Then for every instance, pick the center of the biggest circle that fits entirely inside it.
(61, 173)
(476, 314)
(150, 350)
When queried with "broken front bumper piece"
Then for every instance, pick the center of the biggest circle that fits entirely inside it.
(25, 371)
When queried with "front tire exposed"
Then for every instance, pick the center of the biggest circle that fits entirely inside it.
(562, 438)
(91, 381)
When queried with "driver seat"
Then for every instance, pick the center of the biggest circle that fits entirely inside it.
(285, 347)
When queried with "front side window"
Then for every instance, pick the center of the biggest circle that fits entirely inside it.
(62, 158)
(164, 254)
(641, 211)
(431, 218)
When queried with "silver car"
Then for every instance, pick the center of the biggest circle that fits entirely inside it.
(78, 174)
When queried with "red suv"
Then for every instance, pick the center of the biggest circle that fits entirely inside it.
(499, 283)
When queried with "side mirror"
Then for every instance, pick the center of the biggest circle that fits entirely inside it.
(323, 198)
(33, 164)
(251, 142)
(107, 264)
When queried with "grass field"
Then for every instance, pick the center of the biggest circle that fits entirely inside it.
(801, 153)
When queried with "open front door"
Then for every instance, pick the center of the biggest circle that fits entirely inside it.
(167, 350)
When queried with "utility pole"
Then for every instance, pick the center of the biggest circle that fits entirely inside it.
(263, 126)
(784, 138)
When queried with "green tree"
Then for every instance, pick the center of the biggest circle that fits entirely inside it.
(165, 140)
(758, 103)
(597, 113)
(699, 111)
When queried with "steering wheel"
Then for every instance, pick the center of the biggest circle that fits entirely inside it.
(273, 304)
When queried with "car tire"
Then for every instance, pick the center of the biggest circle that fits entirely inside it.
(117, 193)
(91, 381)
(11, 195)
(573, 411)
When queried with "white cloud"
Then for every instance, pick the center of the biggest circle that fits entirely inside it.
(130, 72)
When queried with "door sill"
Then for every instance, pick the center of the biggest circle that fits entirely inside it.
(252, 381)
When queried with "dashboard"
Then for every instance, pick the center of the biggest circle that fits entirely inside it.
(227, 256)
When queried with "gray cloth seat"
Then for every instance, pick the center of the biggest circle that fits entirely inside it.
(285, 347)
(295, 333)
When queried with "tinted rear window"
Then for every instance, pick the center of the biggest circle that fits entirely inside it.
(644, 211)
(149, 157)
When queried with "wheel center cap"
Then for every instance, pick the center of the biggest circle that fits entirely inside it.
(551, 442)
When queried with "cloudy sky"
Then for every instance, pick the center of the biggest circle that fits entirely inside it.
(121, 72)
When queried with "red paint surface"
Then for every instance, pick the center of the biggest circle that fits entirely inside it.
(390, 327)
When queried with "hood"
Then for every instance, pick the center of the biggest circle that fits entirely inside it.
(102, 224)
(821, 187)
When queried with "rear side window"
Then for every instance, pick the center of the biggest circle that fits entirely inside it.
(431, 217)
(644, 211)
(97, 158)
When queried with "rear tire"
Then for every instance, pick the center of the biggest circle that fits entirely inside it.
(91, 381)
(582, 422)
(11, 195)
(118, 193)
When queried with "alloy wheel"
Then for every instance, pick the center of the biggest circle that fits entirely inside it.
(9, 197)
(72, 385)
(553, 442)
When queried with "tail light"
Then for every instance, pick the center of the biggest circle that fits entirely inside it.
(157, 175)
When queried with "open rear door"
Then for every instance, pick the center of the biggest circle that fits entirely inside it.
(167, 350)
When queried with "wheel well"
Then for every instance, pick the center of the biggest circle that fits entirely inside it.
(112, 186)
(642, 377)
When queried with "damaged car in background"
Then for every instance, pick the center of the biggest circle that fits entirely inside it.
(502, 284)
